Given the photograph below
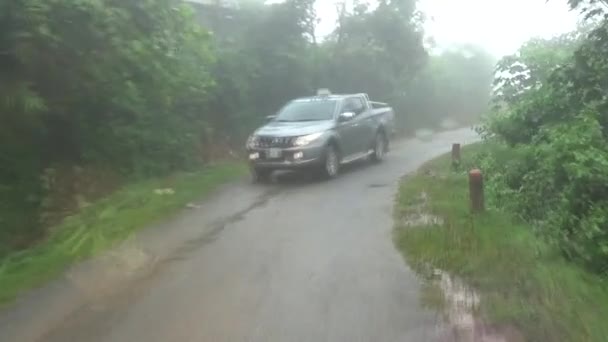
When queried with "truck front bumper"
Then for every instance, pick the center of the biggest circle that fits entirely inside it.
(288, 159)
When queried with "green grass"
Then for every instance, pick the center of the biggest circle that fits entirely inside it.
(523, 281)
(106, 222)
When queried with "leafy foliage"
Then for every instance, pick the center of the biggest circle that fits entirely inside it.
(114, 83)
(378, 51)
(138, 88)
(554, 115)
(109, 81)
(523, 281)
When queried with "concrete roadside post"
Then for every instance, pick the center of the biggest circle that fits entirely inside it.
(455, 155)
(476, 191)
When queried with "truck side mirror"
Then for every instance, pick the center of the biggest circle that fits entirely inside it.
(346, 116)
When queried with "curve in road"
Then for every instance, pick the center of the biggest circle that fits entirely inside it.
(299, 260)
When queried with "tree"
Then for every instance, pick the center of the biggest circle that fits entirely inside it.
(120, 84)
(378, 51)
(535, 61)
(554, 117)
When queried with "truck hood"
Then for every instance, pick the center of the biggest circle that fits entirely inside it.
(293, 129)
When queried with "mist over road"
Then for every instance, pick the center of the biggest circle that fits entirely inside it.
(298, 260)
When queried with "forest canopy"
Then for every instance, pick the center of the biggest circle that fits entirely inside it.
(121, 89)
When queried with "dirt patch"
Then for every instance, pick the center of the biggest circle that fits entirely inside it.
(113, 270)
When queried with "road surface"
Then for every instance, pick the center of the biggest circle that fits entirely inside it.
(299, 260)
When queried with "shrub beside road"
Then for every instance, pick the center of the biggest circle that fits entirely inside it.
(523, 281)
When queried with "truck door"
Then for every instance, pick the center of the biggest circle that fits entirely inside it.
(363, 124)
(349, 130)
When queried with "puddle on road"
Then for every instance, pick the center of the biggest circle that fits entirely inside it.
(459, 304)
(424, 134)
(378, 185)
(417, 215)
(421, 219)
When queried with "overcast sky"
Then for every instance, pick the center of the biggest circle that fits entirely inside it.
(500, 26)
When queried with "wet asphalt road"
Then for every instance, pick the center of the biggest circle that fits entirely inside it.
(299, 260)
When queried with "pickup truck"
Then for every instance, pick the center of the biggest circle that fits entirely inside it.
(321, 133)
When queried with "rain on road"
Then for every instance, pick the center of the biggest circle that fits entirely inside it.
(299, 260)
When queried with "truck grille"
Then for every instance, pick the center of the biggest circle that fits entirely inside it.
(275, 142)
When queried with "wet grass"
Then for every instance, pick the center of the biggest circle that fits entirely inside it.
(106, 222)
(523, 281)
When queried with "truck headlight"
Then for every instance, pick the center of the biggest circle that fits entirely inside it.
(252, 141)
(307, 139)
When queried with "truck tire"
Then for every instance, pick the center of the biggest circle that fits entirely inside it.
(379, 148)
(330, 167)
(260, 175)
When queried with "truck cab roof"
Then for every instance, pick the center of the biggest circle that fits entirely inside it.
(331, 97)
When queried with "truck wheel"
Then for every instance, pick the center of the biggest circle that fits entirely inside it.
(380, 144)
(260, 175)
(331, 163)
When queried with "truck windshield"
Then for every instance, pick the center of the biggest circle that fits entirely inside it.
(313, 110)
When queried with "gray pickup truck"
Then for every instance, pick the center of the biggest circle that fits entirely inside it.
(321, 133)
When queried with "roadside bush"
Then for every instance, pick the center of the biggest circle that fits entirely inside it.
(149, 87)
(560, 182)
(554, 131)
(573, 177)
(121, 84)
(503, 167)
(118, 82)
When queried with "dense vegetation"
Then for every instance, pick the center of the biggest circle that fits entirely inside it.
(551, 117)
(538, 257)
(527, 289)
(95, 93)
(115, 85)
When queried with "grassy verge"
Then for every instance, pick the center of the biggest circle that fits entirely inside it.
(102, 224)
(522, 281)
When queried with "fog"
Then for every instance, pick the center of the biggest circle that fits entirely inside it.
(499, 26)
(118, 115)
